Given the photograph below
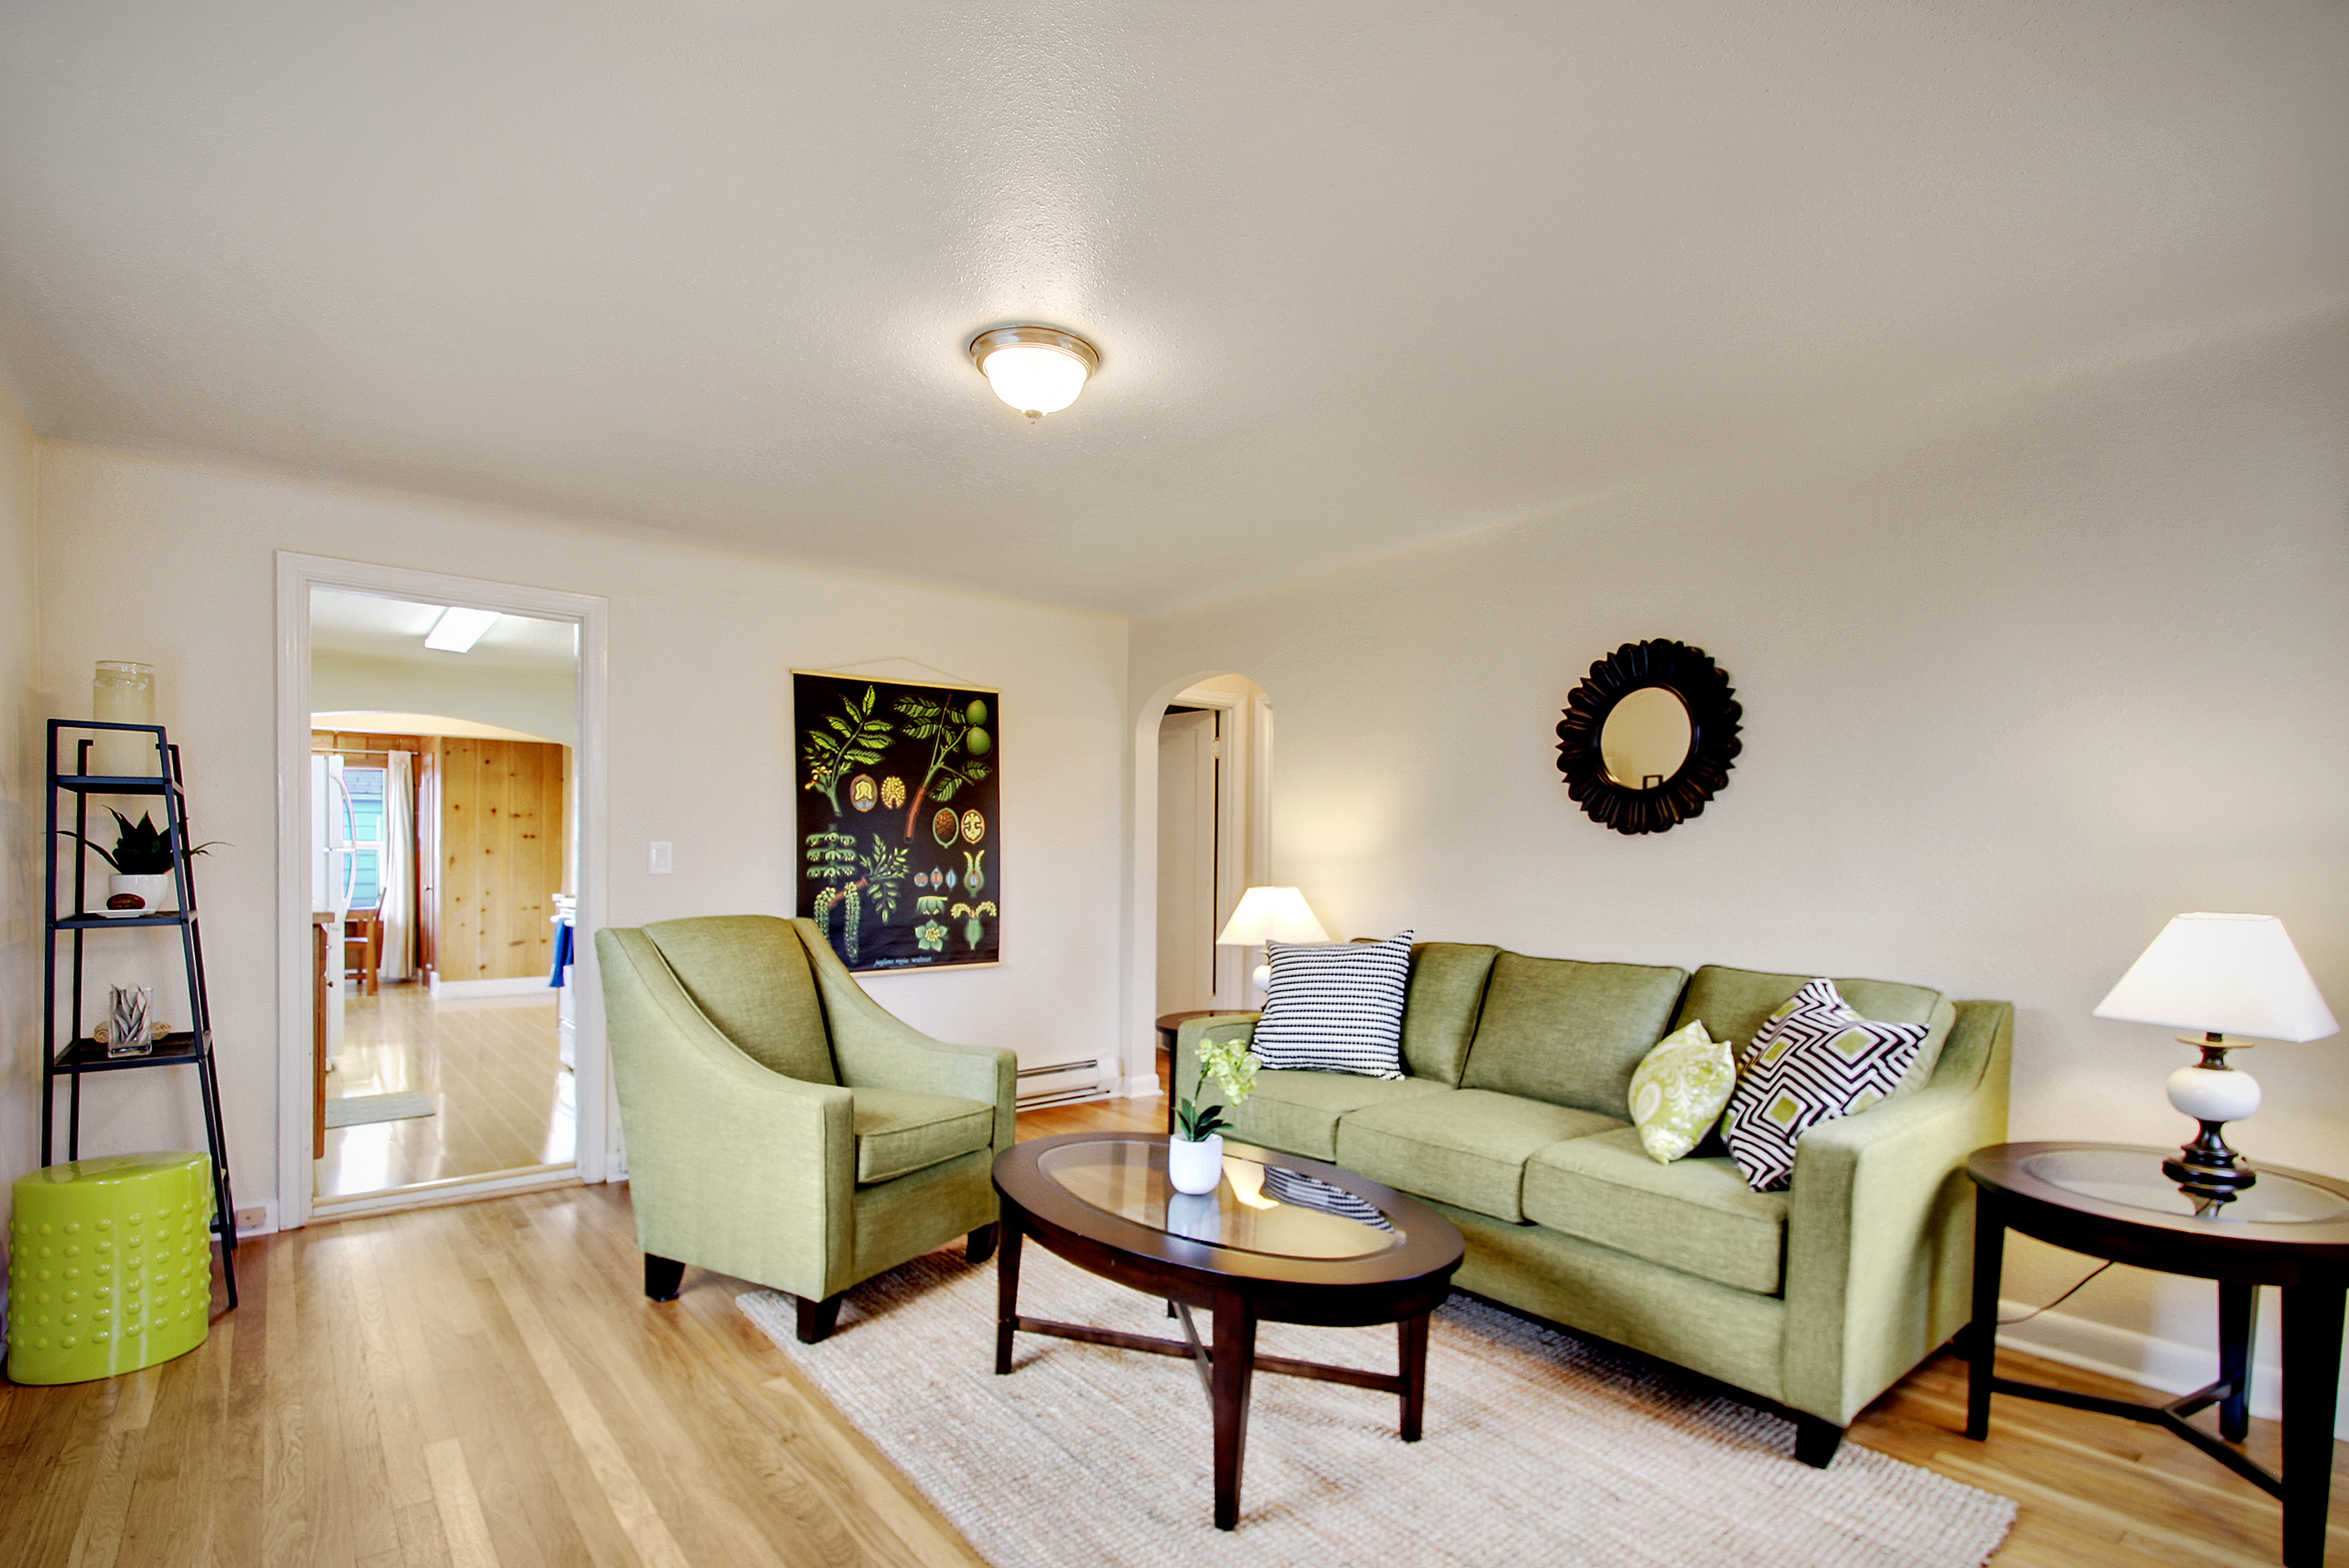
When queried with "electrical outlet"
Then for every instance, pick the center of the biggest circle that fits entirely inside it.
(252, 1219)
(660, 857)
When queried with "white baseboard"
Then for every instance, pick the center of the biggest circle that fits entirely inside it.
(519, 986)
(1139, 1088)
(2141, 1358)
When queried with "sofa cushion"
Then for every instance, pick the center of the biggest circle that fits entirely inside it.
(750, 976)
(1736, 1003)
(1696, 1215)
(1680, 1090)
(1298, 1111)
(1815, 1060)
(1570, 1033)
(1447, 991)
(1335, 1006)
(1467, 1147)
(900, 1131)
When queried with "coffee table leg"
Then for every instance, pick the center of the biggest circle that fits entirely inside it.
(1982, 1334)
(2311, 1380)
(1007, 1284)
(1411, 1336)
(1234, 1370)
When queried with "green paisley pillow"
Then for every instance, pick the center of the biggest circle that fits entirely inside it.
(1679, 1090)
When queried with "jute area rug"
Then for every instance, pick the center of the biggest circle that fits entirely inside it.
(1539, 1447)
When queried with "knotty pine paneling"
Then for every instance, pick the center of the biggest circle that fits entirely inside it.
(501, 857)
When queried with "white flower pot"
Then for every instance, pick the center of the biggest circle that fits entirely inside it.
(153, 893)
(1195, 1165)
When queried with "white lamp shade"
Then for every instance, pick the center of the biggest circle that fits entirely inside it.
(1271, 914)
(2223, 975)
(1035, 377)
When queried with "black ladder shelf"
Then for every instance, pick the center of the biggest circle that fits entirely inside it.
(68, 1052)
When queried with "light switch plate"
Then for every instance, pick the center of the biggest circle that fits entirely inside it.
(660, 857)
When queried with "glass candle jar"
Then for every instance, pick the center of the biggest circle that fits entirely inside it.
(123, 693)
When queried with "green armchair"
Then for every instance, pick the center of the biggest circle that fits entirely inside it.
(782, 1127)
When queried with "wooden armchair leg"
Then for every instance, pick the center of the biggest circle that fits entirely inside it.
(817, 1318)
(980, 1246)
(662, 1278)
(1816, 1441)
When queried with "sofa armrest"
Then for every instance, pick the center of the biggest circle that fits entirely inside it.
(873, 1048)
(1879, 1232)
(1240, 1026)
(730, 1167)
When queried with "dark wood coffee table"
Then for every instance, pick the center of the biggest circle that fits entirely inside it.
(1282, 1240)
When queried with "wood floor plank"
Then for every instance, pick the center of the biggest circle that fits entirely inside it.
(486, 1384)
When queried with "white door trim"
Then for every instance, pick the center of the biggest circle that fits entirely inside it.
(296, 574)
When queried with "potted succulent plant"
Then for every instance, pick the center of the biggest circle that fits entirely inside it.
(142, 858)
(1195, 1155)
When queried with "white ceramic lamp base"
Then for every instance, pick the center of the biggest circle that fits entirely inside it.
(2213, 1094)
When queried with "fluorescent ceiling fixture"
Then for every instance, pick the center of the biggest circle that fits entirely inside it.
(1037, 370)
(458, 628)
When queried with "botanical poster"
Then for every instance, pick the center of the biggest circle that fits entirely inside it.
(899, 859)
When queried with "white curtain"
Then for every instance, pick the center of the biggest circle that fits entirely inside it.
(398, 910)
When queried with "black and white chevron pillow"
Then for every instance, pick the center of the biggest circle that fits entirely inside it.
(1335, 1008)
(1814, 1060)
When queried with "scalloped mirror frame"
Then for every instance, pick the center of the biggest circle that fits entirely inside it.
(1703, 689)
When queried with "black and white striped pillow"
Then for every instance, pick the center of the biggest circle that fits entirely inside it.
(1335, 1008)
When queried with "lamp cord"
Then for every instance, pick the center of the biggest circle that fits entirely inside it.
(2008, 1322)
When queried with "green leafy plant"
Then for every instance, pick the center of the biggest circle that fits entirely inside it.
(140, 849)
(1233, 1067)
(843, 744)
(957, 738)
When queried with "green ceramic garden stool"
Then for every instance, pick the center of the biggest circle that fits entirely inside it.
(109, 1265)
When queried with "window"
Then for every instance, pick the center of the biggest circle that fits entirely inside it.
(365, 784)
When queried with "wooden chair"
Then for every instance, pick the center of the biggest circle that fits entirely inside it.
(363, 931)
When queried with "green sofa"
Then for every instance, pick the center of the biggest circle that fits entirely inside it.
(782, 1128)
(1514, 1122)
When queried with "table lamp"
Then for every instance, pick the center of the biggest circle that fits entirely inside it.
(1270, 914)
(2219, 973)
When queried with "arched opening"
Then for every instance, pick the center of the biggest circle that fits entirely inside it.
(1201, 839)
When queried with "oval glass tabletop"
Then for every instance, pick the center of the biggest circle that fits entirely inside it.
(2131, 1177)
(1255, 1208)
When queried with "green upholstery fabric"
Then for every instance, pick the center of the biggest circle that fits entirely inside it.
(748, 975)
(899, 1132)
(1735, 1003)
(1570, 1032)
(1696, 1215)
(1298, 1111)
(1438, 1018)
(736, 1168)
(1467, 1147)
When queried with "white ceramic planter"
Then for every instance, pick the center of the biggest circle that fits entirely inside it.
(154, 894)
(1195, 1165)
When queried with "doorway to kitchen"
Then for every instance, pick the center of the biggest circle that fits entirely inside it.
(446, 786)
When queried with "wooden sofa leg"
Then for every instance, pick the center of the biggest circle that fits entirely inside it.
(662, 1278)
(980, 1246)
(817, 1318)
(1815, 1440)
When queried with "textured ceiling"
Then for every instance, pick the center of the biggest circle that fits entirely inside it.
(1361, 275)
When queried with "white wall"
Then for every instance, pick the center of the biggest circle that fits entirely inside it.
(532, 701)
(21, 815)
(702, 644)
(2024, 672)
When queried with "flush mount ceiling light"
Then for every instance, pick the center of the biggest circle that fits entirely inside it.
(458, 628)
(1037, 370)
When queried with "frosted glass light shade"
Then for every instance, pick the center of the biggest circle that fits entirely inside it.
(1036, 369)
(1271, 914)
(2223, 975)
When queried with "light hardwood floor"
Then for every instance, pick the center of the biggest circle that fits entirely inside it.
(485, 1384)
(501, 1094)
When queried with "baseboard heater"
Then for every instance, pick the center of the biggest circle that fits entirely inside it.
(1059, 1083)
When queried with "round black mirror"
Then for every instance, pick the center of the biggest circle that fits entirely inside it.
(1649, 736)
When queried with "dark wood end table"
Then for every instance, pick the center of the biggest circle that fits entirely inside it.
(1282, 1240)
(2291, 1230)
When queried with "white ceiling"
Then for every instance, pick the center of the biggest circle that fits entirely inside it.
(1361, 274)
(375, 627)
